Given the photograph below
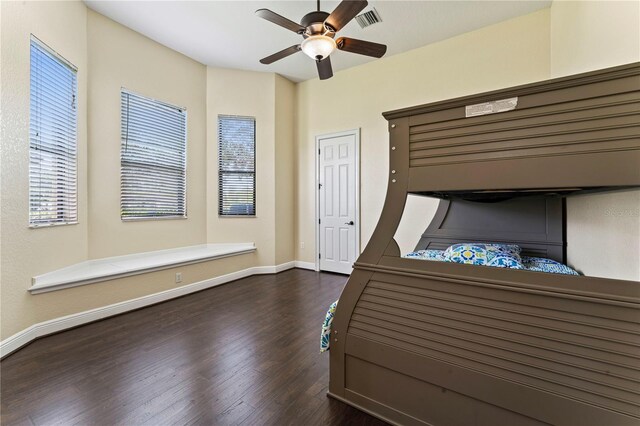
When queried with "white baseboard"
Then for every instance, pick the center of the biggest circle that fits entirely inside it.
(55, 325)
(305, 265)
(284, 266)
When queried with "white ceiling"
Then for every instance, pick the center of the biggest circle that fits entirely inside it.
(228, 34)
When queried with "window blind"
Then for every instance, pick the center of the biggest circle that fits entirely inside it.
(153, 156)
(53, 198)
(236, 166)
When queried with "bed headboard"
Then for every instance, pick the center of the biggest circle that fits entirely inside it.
(537, 224)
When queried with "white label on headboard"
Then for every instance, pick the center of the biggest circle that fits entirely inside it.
(491, 107)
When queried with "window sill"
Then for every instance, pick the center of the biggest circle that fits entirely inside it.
(145, 219)
(50, 225)
(109, 268)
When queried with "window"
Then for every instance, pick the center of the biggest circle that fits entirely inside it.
(53, 195)
(153, 158)
(236, 166)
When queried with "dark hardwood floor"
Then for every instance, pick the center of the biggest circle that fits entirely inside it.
(243, 353)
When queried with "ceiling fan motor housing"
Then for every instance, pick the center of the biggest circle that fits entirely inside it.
(314, 23)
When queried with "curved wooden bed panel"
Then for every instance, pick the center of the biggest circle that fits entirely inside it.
(536, 224)
(419, 342)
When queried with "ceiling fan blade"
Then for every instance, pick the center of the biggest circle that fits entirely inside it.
(280, 20)
(345, 12)
(361, 47)
(281, 54)
(324, 68)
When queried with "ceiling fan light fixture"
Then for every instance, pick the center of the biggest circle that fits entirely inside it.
(318, 47)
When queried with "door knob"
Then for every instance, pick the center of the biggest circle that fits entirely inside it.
(349, 223)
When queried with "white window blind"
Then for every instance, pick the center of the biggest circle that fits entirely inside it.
(153, 158)
(53, 198)
(236, 166)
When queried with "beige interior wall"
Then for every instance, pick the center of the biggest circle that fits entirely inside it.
(46, 306)
(418, 214)
(506, 54)
(603, 231)
(245, 93)
(589, 35)
(603, 234)
(110, 56)
(27, 252)
(119, 57)
(568, 38)
(285, 115)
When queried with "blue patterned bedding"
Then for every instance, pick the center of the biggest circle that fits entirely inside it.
(535, 264)
(325, 336)
(427, 255)
(540, 264)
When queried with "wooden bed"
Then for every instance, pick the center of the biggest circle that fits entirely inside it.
(419, 342)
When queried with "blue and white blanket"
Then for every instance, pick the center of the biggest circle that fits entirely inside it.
(535, 264)
(325, 336)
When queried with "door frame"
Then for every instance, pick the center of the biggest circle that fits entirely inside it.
(355, 132)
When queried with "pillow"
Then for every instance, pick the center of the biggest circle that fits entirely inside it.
(541, 264)
(513, 249)
(496, 255)
(437, 255)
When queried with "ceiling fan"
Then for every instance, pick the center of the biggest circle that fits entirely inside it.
(319, 29)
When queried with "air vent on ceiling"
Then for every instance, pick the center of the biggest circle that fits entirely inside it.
(368, 18)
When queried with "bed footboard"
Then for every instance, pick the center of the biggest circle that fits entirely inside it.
(435, 348)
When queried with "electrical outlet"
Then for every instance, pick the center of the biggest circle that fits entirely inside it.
(178, 277)
(302, 245)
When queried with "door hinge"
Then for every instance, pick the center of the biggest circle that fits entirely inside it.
(319, 221)
(319, 256)
(319, 186)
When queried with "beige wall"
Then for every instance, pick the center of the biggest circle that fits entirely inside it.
(603, 231)
(590, 35)
(568, 38)
(285, 116)
(270, 99)
(506, 54)
(28, 252)
(110, 56)
(120, 57)
(232, 92)
(603, 234)
(46, 306)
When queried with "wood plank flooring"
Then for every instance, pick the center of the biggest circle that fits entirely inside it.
(245, 353)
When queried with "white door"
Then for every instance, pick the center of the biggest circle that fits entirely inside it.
(338, 201)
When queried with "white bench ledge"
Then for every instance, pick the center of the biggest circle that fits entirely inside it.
(109, 268)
